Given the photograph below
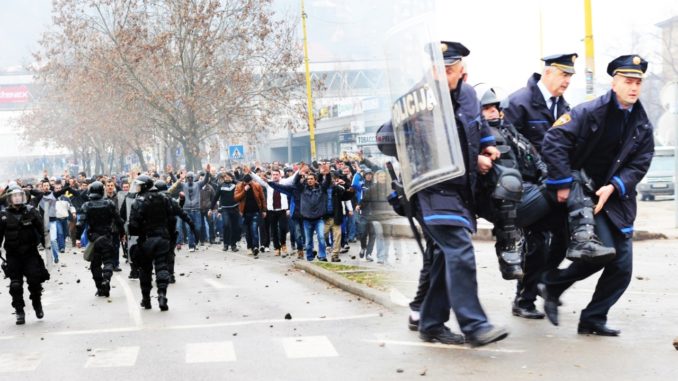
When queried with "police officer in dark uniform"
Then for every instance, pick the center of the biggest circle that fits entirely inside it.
(177, 211)
(532, 110)
(611, 139)
(21, 228)
(100, 217)
(447, 212)
(150, 220)
(536, 204)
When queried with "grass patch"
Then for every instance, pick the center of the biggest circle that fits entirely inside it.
(363, 275)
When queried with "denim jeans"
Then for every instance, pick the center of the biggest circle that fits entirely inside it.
(296, 233)
(251, 224)
(62, 231)
(53, 240)
(317, 226)
(197, 220)
(232, 222)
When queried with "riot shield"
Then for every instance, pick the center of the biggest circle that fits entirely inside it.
(422, 116)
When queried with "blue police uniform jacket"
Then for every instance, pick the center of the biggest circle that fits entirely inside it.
(528, 112)
(576, 135)
(451, 202)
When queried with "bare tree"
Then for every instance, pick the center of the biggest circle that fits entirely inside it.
(133, 72)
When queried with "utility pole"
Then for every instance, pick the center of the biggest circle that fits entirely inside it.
(309, 96)
(588, 41)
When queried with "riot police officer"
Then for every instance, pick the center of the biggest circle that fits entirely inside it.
(150, 221)
(100, 216)
(21, 228)
(177, 211)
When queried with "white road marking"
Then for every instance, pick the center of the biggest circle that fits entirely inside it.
(94, 331)
(112, 357)
(308, 347)
(19, 362)
(194, 326)
(210, 352)
(269, 321)
(442, 346)
(132, 305)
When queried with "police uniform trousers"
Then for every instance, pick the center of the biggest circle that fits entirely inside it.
(613, 281)
(545, 240)
(424, 276)
(29, 264)
(453, 282)
(103, 258)
(154, 252)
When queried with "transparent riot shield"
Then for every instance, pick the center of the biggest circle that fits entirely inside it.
(422, 115)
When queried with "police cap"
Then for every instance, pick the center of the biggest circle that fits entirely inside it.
(631, 65)
(564, 62)
(453, 52)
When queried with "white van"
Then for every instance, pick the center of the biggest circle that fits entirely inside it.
(659, 180)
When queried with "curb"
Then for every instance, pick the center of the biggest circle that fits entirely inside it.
(354, 288)
(485, 234)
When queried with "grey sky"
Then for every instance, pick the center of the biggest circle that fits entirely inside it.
(503, 35)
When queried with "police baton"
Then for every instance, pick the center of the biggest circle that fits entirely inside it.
(398, 188)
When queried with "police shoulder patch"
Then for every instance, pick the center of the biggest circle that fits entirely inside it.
(564, 119)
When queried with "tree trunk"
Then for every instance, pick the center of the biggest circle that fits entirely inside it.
(140, 154)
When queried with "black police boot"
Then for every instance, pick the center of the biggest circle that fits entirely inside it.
(104, 289)
(584, 243)
(146, 300)
(20, 316)
(162, 300)
(37, 307)
(172, 279)
(133, 273)
(507, 246)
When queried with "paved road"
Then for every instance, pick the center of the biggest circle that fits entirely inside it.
(227, 321)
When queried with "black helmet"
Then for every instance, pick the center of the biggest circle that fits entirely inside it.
(161, 186)
(142, 184)
(16, 195)
(96, 190)
(490, 98)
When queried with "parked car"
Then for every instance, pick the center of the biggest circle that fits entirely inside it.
(659, 180)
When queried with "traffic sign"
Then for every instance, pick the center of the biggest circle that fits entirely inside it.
(236, 152)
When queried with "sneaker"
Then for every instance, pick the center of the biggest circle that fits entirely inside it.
(234, 248)
(263, 249)
(178, 247)
(368, 258)
(335, 259)
(250, 252)
(117, 269)
(322, 259)
(20, 317)
(56, 260)
(191, 249)
(256, 253)
(61, 251)
(362, 253)
(300, 254)
(225, 248)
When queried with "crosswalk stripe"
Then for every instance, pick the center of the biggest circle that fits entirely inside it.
(112, 357)
(210, 352)
(308, 347)
(19, 362)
